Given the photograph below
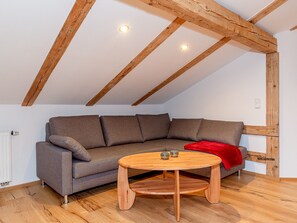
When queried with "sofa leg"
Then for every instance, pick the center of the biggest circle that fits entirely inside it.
(42, 183)
(65, 199)
(238, 173)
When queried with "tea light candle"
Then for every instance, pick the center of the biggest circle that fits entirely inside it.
(164, 155)
(174, 153)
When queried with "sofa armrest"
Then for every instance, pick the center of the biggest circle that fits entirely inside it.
(54, 167)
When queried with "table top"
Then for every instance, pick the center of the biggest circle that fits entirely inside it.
(185, 161)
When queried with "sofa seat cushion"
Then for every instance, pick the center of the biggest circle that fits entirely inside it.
(186, 129)
(106, 158)
(154, 126)
(121, 130)
(220, 131)
(84, 129)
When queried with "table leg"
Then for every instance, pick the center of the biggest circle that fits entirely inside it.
(126, 196)
(164, 174)
(177, 196)
(212, 193)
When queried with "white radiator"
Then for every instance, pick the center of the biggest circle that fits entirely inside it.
(5, 158)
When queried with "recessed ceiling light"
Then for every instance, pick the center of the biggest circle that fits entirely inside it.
(124, 28)
(184, 47)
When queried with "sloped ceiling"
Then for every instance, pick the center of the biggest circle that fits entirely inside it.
(99, 52)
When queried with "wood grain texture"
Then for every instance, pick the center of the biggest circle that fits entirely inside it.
(256, 157)
(261, 130)
(160, 186)
(75, 18)
(211, 15)
(192, 63)
(293, 28)
(185, 68)
(153, 161)
(272, 111)
(177, 195)
(267, 10)
(212, 193)
(167, 32)
(185, 161)
(20, 186)
(246, 199)
(126, 196)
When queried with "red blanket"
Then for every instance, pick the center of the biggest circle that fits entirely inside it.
(230, 155)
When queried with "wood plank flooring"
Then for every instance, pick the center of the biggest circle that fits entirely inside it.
(244, 199)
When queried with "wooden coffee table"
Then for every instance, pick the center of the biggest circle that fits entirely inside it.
(168, 186)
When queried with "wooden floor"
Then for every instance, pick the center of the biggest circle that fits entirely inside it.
(244, 199)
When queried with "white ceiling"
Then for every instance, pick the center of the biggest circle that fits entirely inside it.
(98, 52)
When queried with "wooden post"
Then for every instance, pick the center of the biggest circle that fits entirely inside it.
(272, 112)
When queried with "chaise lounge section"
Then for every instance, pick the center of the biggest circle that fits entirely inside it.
(104, 140)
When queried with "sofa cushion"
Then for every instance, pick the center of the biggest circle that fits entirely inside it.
(84, 129)
(106, 159)
(78, 151)
(121, 129)
(168, 144)
(154, 126)
(184, 129)
(220, 131)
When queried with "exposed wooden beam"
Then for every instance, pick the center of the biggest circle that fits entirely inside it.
(272, 112)
(261, 130)
(267, 10)
(168, 31)
(196, 60)
(188, 66)
(294, 28)
(257, 157)
(211, 15)
(75, 18)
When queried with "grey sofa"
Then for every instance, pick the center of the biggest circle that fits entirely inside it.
(108, 138)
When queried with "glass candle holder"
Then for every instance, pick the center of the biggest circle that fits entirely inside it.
(174, 153)
(164, 155)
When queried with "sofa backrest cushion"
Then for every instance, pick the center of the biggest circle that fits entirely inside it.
(184, 129)
(84, 129)
(220, 131)
(121, 130)
(78, 151)
(154, 126)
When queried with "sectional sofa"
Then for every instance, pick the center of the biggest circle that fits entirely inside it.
(82, 152)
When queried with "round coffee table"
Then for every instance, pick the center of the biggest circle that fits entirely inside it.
(168, 186)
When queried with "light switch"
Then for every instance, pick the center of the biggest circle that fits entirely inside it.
(257, 103)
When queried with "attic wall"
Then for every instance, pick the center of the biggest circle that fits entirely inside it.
(230, 94)
(288, 103)
(30, 122)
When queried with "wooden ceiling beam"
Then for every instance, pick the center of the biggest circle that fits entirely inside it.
(267, 10)
(167, 32)
(294, 28)
(205, 54)
(212, 16)
(185, 68)
(75, 18)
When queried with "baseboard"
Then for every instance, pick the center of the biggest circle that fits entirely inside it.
(285, 179)
(259, 175)
(20, 186)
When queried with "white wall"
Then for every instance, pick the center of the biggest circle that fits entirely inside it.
(288, 102)
(30, 122)
(229, 94)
